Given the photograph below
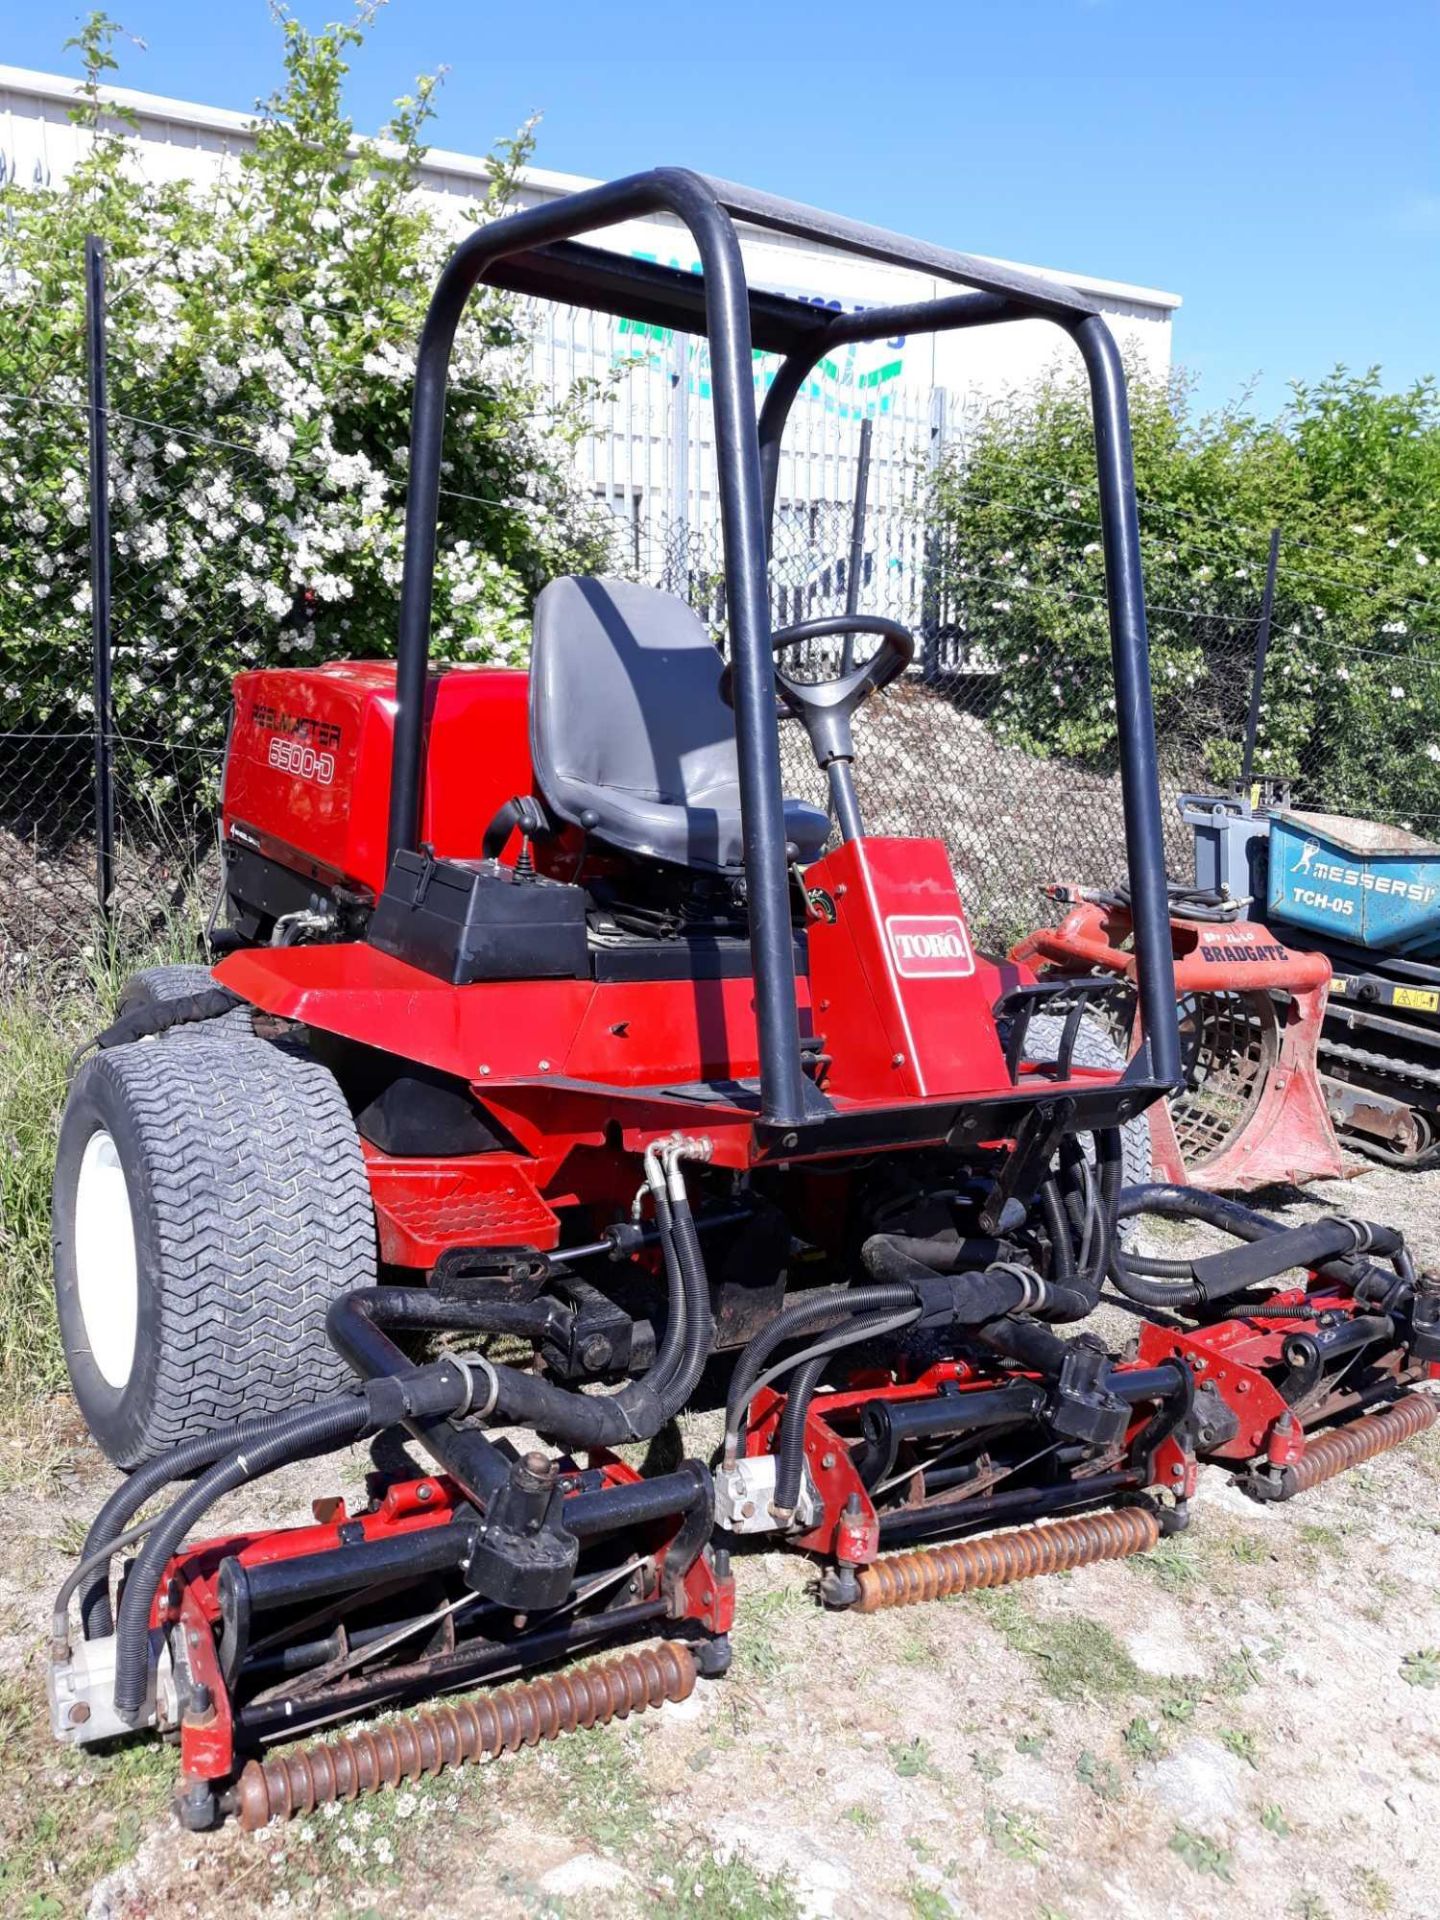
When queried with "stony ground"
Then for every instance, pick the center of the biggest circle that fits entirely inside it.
(1247, 1723)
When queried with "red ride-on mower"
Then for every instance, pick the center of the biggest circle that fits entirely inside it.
(546, 1021)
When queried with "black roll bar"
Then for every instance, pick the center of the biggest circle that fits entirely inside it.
(534, 252)
(1125, 603)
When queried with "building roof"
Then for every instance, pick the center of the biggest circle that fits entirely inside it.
(228, 130)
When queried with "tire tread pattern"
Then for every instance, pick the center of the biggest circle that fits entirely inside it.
(263, 1217)
(178, 981)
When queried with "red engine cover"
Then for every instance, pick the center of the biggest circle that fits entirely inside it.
(308, 775)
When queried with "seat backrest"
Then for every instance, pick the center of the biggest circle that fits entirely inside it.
(629, 734)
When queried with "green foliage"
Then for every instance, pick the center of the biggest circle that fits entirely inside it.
(1351, 476)
(1102, 1777)
(1243, 1744)
(912, 1760)
(1017, 1835)
(262, 334)
(1422, 1668)
(1075, 1657)
(730, 1889)
(1144, 1738)
(927, 1903)
(1202, 1854)
(39, 1032)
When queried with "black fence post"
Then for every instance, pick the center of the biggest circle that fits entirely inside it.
(100, 569)
(857, 538)
(1262, 647)
(932, 587)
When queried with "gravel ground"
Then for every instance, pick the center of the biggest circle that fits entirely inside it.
(1246, 1723)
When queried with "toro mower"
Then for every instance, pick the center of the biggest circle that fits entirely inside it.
(541, 1020)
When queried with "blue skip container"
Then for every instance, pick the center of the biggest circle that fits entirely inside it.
(1356, 880)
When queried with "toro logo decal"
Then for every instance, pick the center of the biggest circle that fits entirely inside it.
(930, 946)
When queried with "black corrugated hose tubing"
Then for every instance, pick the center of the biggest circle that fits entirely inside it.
(825, 1307)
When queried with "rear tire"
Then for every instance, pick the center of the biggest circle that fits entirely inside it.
(210, 1203)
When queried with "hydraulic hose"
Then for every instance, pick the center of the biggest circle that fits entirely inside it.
(807, 1315)
(790, 1443)
(637, 1411)
(667, 1357)
(699, 1318)
(1328, 1246)
(318, 1429)
(179, 1463)
(1057, 1226)
(966, 1299)
(1025, 1341)
(869, 1326)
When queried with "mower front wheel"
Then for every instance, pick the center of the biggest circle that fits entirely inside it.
(210, 1203)
(152, 986)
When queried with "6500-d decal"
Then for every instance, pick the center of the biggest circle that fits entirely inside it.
(930, 946)
(299, 744)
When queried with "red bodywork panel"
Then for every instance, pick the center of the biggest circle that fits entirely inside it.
(310, 754)
(663, 1034)
(581, 1075)
(905, 1005)
(467, 1200)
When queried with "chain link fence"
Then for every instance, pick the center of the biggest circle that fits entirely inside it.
(936, 755)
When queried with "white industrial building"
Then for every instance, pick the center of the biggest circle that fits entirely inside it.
(648, 452)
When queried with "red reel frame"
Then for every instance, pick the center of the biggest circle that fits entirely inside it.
(188, 1605)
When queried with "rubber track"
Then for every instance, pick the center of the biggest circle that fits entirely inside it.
(264, 1216)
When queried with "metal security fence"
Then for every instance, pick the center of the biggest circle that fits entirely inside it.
(116, 652)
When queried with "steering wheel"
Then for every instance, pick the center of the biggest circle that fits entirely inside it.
(825, 708)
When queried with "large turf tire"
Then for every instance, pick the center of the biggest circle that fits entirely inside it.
(153, 985)
(1095, 1048)
(210, 1203)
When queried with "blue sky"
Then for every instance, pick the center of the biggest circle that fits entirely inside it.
(1277, 163)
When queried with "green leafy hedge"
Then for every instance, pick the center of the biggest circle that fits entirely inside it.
(262, 337)
(1350, 474)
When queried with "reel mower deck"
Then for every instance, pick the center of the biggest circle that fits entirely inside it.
(1023, 1453)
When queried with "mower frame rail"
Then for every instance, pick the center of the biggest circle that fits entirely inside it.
(534, 252)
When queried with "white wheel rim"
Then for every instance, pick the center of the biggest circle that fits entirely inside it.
(105, 1272)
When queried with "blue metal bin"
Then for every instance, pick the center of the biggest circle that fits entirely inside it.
(1356, 880)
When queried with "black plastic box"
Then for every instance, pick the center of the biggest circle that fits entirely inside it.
(468, 920)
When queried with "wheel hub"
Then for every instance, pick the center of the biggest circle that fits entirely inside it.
(105, 1270)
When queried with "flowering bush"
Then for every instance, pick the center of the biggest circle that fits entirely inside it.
(261, 342)
(1351, 476)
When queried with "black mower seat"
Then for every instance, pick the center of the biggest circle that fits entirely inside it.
(628, 733)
